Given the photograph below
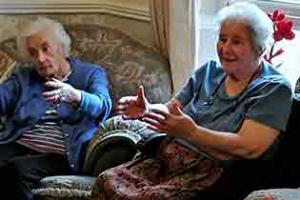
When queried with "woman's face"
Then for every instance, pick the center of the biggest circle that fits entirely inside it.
(236, 50)
(45, 53)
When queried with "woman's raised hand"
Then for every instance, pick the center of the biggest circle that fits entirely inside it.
(175, 123)
(133, 107)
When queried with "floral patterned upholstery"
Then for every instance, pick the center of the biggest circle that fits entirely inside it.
(65, 188)
(275, 194)
(128, 65)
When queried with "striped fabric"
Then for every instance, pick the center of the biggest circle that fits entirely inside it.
(47, 135)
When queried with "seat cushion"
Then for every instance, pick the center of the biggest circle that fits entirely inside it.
(65, 188)
(275, 194)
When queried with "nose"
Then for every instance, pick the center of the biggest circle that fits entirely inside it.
(41, 57)
(226, 47)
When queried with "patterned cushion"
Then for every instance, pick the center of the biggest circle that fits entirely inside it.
(65, 188)
(7, 65)
(275, 194)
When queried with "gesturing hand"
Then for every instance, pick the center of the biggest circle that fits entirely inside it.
(175, 123)
(133, 107)
(61, 92)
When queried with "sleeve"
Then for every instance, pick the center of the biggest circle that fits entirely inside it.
(192, 86)
(271, 106)
(96, 100)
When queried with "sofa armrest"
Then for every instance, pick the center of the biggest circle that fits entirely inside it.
(275, 194)
(114, 144)
(117, 142)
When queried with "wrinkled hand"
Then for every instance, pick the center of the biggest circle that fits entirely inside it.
(61, 91)
(175, 123)
(133, 107)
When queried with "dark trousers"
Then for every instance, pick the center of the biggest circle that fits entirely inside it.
(21, 169)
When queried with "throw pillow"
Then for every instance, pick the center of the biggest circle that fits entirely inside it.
(65, 188)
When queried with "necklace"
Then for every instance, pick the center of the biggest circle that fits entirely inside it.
(213, 95)
(66, 77)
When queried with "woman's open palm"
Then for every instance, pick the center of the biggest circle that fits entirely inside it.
(133, 107)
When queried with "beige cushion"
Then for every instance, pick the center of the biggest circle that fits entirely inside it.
(275, 194)
(65, 187)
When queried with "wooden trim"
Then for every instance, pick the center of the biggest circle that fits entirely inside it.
(135, 11)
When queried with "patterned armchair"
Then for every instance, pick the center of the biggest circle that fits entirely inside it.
(128, 64)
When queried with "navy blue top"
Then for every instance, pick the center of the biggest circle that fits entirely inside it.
(21, 101)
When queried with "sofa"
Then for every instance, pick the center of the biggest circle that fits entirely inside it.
(128, 64)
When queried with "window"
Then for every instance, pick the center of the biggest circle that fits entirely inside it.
(289, 59)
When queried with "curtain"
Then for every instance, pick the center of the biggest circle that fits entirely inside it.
(159, 11)
(176, 35)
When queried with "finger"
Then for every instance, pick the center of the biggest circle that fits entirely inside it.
(121, 106)
(126, 100)
(53, 99)
(155, 117)
(120, 112)
(152, 122)
(53, 84)
(160, 112)
(177, 110)
(51, 93)
(55, 80)
(141, 95)
(154, 128)
(128, 117)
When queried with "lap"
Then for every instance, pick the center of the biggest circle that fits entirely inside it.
(175, 171)
(23, 161)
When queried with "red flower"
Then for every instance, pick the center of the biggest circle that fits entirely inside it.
(283, 29)
(277, 15)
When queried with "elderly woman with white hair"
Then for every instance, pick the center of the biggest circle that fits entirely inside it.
(227, 111)
(53, 109)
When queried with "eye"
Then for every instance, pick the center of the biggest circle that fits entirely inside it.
(236, 42)
(32, 52)
(222, 39)
(45, 48)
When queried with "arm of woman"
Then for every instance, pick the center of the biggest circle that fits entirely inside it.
(264, 120)
(250, 142)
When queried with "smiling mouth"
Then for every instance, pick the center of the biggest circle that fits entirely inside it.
(228, 60)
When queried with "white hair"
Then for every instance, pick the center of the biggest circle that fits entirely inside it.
(54, 30)
(258, 21)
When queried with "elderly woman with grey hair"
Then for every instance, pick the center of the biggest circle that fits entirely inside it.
(227, 111)
(53, 109)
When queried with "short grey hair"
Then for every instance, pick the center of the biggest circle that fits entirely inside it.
(257, 20)
(54, 30)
